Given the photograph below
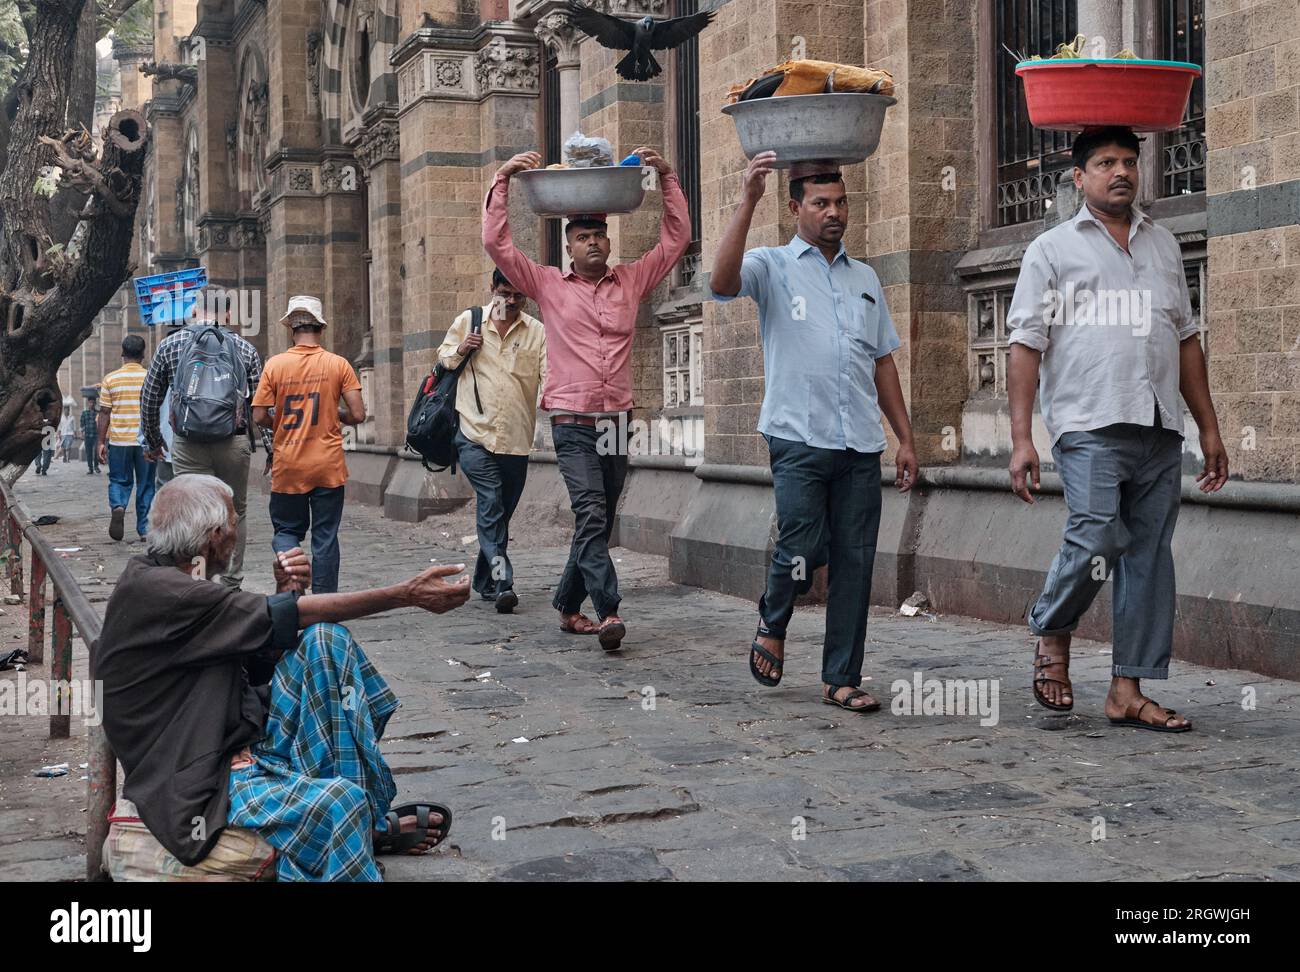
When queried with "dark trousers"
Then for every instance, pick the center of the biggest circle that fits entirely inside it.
(127, 469)
(321, 510)
(828, 512)
(498, 482)
(43, 460)
(594, 482)
(1122, 484)
(92, 454)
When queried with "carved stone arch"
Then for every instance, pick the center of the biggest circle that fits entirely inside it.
(352, 80)
(253, 125)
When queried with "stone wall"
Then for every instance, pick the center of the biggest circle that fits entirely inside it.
(1253, 208)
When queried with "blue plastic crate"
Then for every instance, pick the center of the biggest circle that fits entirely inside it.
(165, 297)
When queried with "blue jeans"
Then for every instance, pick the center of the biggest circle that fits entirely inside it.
(498, 482)
(828, 512)
(321, 510)
(1123, 484)
(128, 467)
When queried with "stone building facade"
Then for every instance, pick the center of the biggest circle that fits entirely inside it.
(343, 148)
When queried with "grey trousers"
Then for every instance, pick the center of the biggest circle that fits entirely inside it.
(1122, 486)
(228, 461)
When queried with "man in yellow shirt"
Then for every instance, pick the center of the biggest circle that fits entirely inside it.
(497, 398)
(119, 440)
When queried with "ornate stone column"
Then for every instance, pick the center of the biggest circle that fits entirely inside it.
(558, 34)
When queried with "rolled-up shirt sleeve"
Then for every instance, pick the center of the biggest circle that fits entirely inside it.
(753, 279)
(1033, 304)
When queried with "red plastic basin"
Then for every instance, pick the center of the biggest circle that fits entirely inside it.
(1072, 94)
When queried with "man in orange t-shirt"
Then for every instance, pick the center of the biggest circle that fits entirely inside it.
(304, 387)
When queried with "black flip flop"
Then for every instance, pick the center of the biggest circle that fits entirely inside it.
(771, 659)
(397, 841)
(857, 693)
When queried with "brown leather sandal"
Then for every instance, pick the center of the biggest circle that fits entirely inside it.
(612, 631)
(578, 624)
(1133, 717)
(1040, 676)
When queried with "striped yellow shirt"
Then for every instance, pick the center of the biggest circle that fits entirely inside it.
(120, 392)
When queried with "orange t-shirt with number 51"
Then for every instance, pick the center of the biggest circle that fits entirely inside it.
(304, 386)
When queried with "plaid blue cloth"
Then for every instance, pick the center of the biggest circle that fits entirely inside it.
(318, 782)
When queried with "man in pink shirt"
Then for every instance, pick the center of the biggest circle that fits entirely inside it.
(589, 312)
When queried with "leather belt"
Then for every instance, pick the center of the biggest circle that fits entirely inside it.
(588, 420)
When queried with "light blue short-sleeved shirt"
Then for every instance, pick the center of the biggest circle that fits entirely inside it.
(823, 326)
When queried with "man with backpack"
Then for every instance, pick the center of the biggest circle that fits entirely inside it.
(305, 386)
(497, 399)
(212, 373)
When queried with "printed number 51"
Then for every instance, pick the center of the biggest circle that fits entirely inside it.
(293, 412)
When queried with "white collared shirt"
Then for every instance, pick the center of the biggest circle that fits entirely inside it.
(1109, 323)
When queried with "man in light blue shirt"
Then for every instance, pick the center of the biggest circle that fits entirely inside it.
(827, 338)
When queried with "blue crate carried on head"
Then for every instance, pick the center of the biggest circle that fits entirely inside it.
(167, 297)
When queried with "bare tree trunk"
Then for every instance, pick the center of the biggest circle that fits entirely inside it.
(49, 296)
(68, 202)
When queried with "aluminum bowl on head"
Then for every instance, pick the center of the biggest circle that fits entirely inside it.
(599, 189)
(842, 127)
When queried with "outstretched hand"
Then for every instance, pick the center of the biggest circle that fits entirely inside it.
(432, 593)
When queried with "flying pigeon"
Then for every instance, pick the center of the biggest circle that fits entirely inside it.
(638, 38)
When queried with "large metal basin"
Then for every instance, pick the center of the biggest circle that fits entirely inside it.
(842, 127)
(601, 189)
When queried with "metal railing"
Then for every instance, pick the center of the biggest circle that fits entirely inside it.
(71, 609)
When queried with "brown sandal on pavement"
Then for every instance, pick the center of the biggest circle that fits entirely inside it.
(1133, 717)
(846, 702)
(1040, 676)
(578, 624)
(611, 633)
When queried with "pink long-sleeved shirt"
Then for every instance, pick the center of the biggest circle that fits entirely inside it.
(589, 326)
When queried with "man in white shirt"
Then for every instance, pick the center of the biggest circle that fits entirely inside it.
(1101, 317)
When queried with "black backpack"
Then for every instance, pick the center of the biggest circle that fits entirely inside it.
(210, 388)
(433, 421)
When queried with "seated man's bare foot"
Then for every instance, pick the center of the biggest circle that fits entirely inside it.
(434, 833)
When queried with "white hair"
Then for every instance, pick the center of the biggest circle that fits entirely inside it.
(184, 512)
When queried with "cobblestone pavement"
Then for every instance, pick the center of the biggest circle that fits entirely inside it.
(667, 761)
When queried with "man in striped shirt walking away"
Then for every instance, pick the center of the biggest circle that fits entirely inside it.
(119, 440)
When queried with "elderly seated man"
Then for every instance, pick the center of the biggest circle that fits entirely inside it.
(228, 708)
